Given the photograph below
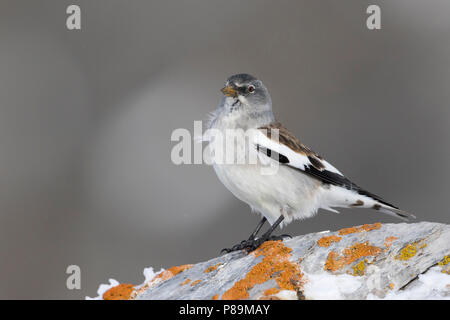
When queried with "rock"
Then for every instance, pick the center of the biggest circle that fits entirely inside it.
(393, 261)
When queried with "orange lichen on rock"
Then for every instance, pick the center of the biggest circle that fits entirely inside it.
(121, 292)
(363, 228)
(271, 291)
(162, 276)
(332, 263)
(269, 298)
(356, 251)
(275, 265)
(216, 297)
(172, 272)
(212, 268)
(195, 282)
(185, 282)
(391, 286)
(327, 241)
(388, 241)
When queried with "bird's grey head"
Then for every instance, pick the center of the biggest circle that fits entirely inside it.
(246, 91)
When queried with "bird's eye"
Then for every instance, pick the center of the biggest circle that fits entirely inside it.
(251, 89)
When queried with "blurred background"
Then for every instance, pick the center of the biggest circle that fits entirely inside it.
(86, 118)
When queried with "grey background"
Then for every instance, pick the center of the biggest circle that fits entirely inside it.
(86, 118)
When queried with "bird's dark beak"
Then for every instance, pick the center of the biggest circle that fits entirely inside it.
(229, 91)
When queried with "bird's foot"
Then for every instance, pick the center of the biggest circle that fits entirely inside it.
(253, 244)
(240, 246)
(258, 242)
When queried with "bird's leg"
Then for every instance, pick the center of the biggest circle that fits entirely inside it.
(245, 243)
(258, 227)
(253, 243)
(267, 236)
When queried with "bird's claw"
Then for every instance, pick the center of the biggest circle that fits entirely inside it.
(253, 244)
(248, 245)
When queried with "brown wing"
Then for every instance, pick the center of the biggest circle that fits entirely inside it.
(317, 166)
(289, 140)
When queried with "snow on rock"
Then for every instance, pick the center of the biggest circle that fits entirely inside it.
(390, 261)
(103, 288)
(325, 286)
(149, 274)
(433, 284)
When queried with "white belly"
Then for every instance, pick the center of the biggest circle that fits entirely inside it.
(287, 192)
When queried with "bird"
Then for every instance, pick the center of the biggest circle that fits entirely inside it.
(303, 181)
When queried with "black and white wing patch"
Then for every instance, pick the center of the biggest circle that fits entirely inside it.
(289, 151)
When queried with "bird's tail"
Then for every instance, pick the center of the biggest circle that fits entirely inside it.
(394, 211)
(385, 207)
(359, 198)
